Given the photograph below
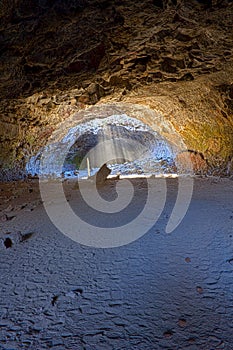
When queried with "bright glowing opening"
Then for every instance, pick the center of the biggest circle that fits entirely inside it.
(156, 157)
(129, 146)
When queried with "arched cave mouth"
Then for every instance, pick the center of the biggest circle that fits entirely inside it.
(140, 149)
(153, 154)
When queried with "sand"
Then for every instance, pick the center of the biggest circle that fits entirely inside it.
(162, 291)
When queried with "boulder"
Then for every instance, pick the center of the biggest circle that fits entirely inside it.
(102, 174)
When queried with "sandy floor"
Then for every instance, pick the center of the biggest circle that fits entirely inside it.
(163, 291)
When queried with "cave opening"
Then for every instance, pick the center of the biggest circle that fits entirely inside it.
(117, 135)
(136, 149)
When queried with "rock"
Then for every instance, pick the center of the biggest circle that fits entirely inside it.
(191, 162)
(5, 217)
(102, 175)
(168, 334)
(26, 236)
(12, 238)
(182, 322)
(91, 89)
(199, 289)
(8, 242)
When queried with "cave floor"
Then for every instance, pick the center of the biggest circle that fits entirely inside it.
(162, 291)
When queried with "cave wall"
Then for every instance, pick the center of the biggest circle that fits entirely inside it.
(58, 59)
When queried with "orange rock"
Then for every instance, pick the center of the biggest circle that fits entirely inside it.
(191, 162)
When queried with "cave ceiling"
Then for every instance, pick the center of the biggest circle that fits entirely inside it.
(60, 58)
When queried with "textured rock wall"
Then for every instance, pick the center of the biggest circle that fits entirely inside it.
(59, 59)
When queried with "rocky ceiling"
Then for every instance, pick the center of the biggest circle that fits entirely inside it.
(59, 58)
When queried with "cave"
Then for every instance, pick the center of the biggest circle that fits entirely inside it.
(149, 150)
(116, 164)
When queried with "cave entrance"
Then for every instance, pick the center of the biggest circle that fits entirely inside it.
(137, 141)
(129, 147)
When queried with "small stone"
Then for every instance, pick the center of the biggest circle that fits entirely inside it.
(8, 243)
(199, 289)
(91, 89)
(182, 322)
(3, 218)
(54, 299)
(167, 334)
(78, 291)
(26, 236)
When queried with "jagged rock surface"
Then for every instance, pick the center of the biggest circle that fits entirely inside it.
(60, 58)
